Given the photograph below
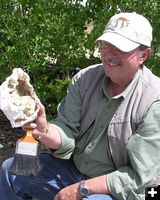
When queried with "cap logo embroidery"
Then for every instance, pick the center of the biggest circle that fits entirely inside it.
(121, 22)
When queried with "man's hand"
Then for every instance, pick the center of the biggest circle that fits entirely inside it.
(69, 193)
(97, 185)
(40, 125)
(43, 131)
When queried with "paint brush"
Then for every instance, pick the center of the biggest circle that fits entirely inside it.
(25, 162)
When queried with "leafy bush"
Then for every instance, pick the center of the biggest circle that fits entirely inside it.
(48, 38)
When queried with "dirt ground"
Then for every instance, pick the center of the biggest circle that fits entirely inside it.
(8, 137)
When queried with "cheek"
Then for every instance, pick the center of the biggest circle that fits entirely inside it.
(130, 69)
(132, 63)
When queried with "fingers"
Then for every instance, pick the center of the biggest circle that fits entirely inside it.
(29, 126)
(38, 103)
(39, 125)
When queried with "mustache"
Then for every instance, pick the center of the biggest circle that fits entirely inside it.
(112, 61)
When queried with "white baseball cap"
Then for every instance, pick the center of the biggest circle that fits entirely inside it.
(127, 31)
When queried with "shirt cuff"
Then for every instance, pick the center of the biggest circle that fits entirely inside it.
(67, 143)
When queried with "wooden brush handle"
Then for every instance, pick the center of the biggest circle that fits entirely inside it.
(29, 137)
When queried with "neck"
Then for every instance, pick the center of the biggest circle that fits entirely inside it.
(115, 89)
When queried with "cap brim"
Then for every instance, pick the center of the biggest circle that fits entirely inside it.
(118, 41)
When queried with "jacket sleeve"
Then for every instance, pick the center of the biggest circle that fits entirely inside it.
(143, 149)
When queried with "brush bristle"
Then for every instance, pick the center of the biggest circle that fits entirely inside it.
(25, 165)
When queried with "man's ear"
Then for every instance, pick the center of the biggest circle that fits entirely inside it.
(145, 55)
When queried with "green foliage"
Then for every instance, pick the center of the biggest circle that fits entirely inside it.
(48, 38)
(53, 94)
(44, 38)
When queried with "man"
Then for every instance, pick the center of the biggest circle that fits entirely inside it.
(105, 140)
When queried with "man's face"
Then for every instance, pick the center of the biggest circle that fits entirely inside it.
(119, 66)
